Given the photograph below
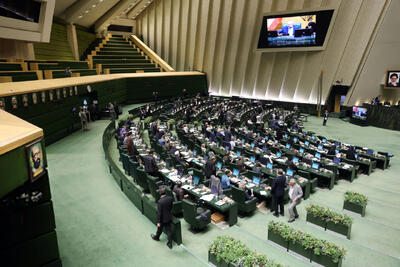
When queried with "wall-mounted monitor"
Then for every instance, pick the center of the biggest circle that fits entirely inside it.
(359, 113)
(303, 30)
(392, 79)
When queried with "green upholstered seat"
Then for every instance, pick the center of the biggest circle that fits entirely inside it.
(142, 179)
(192, 217)
(244, 206)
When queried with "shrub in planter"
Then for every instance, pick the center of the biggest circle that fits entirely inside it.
(323, 252)
(328, 254)
(301, 243)
(279, 233)
(334, 221)
(228, 252)
(355, 202)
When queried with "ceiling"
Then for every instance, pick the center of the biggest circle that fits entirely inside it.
(99, 13)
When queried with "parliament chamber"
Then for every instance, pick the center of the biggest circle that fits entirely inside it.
(199, 133)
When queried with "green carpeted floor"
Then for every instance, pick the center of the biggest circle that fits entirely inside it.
(98, 226)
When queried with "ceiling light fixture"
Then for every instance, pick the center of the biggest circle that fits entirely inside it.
(94, 5)
(87, 11)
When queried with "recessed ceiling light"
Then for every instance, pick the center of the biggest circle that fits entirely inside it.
(101, 1)
(94, 5)
(79, 17)
(87, 11)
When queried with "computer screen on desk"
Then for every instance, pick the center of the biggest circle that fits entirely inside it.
(196, 180)
(269, 166)
(295, 159)
(336, 160)
(307, 143)
(238, 153)
(301, 150)
(315, 165)
(288, 146)
(278, 154)
(318, 155)
(370, 151)
(252, 159)
(219, 165)
(289, 172)
(256, 180)
(320, 147)
(235, 172)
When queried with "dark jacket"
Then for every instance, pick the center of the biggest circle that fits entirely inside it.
(228, 136)
(278, 186)
(178, 192)
(149, 164)
(350, 154)
(164, 207)
(210, 168)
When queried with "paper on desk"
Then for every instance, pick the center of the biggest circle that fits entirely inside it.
(187, 187)
(263, 193)
(208, 197)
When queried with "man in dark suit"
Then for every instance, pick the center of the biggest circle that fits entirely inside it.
(150, 165)
(164, 217)
(210, 168)
(325, 117)
(278, 191)
(228, 135)
(350, 154)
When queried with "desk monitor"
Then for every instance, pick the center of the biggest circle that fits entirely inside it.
(269, 166)
(313, 137)
(265, 149)
(295, 159)
(288, 146)
(266, 137)
(243, 141)
(390, 155)
(318, 155)
(337, 151)
(235, 172)
(196, 180)
(180, 171)
(278, 154)
(289, 172)
(217, 144)
(295, 139)
(301, 150)
(355, 155)
(252, 145)
(337, 144)
(205, 158)
(195, 152)
(324, 140)
(307, 143)
(238, 153)
(227, 148)
(219, 165)
(256, 180)
(370, 151)
(258, 134)
(320, 147)
(286, 136)
(252, 159)
(336, 160)
(315, 165)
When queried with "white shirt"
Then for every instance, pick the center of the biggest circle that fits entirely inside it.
(291, 31)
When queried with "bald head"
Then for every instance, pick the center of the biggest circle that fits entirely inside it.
(292, 182)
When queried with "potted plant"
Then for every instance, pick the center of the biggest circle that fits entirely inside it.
(279, 233)
(332, 220)
(339, 223)
(254, 259)
(328, 254)
(315, 215)
(355, 202)
(302, 244)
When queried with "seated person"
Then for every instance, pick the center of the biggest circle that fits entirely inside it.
(226, 159)
(161, 141)
(246, 192)
(266, 158)
(179, 191)
(215, 185)
(123, 131)
(332, 150)
(225, 182)
(240, 164)
(350, 154)
(257, 169)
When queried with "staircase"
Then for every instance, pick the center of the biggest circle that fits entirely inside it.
(117, 54)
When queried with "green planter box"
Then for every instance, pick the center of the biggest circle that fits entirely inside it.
(315, 220)
(354, 208)
(278, 239)
(339, 228)
(326, 261)
(212, 258)
(299, 249)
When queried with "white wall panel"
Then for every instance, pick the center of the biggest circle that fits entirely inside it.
(219, 37)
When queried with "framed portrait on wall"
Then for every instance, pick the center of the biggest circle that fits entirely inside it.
(43, 97)
(14, 102)
(2, 103)
(392, 79)
(35, 160)
(34, 98)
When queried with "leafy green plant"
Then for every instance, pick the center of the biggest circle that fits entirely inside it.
(319, 246)
(230, 250)
(329, 215)
(356, 198)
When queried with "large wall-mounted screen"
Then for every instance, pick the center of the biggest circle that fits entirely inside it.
(295, 31)
(359, 113)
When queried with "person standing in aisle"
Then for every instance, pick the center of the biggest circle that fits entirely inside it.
(325, 117)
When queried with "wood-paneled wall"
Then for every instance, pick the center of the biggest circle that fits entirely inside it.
(219, 37)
